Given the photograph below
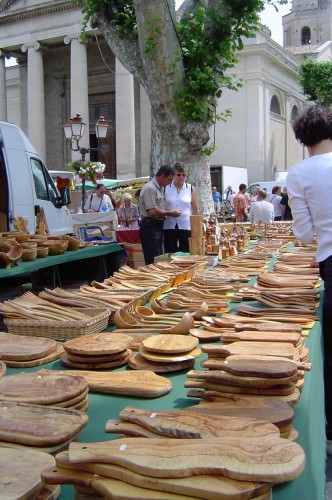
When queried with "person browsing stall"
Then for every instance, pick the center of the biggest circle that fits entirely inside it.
(153, 213)
(99, 201)
(128, 213)
(261, 210)
(182, 195)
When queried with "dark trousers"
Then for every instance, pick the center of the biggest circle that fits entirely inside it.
(325, 268)
(278, 217)
(152, 239)
(176, 240)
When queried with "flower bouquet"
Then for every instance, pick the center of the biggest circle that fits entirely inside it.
(88, 170)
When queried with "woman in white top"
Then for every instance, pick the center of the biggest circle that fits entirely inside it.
(182, 196)
(99, 201)
(128, 213)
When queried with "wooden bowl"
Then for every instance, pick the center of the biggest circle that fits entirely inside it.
(29, 244)
(42, 251)
(21, 238)
(29, 254)
(38, 237)
(73, 241)
(9, 254)
(57, 247)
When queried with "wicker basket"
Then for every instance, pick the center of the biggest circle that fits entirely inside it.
(97, 321)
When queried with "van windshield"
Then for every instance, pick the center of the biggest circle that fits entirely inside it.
(44, 185)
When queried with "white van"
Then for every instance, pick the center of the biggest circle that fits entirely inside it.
(26, 185)
(268, 185)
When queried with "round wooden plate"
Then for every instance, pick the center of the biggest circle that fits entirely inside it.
(160, 358)
(98, 343)
(95, 366)
(204, 335)
(25, 348)
(137, 362)
(170, 344)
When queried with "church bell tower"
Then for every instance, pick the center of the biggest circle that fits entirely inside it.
(308, 23)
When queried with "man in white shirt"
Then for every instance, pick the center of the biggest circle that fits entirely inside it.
(309, 186)
(261, 210)
(99, 201)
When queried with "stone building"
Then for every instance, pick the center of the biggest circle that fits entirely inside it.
(58, 77)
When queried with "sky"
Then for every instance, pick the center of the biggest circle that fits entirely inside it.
(269, 17)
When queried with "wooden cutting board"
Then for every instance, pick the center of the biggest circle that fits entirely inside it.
(220, 396)
(184, 424)
(253, 367)
(129, 429)
(278, 390)
(267, 459)
(66, 361)
(137, 362)
(169, 358)
(24, 348)
(170, 344)
(97, 358)
(42, 387)
(53, 356)
(271, 410)
(20, 472)
(110, 489)
(224, 377)
(281, 349)
(261, 336)
(268, 326)
(98, 343)
(260, 357)
(145, 384)
(205, 487)
(38, 426)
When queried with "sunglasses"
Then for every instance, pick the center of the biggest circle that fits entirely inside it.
(181, 175)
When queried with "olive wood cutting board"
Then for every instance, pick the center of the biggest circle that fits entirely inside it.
(66, 361)
(41, 387)
(34, 425)
(220, 396)
(46, 449)
(20, 471)
(184, 424)
(144, 383)
(98, 343)
(260, 357)
(25, 348)
(170, 344)
(129, 429)
(278, 390)
(223, 377)
(259, 336)
(281, 349)
(96, 358)
(269, 326)
(137, 362)
(53, 356)
(254, 367)
(267, 459)
(204, 487)
(268, 409)
(169, 358)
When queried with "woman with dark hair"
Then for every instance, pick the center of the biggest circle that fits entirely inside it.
(275, 199)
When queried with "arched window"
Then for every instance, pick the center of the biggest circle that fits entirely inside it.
(275, 105)
(305, 35)
(294, 113)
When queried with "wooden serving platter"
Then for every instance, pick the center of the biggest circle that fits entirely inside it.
(184, 424)
(98, 343)
(170, 344)
(129, 429)
(137, 362)
(271, 410)
(38, 426)
(169, 358)
(97, 358)
(66, 361)
(261, 336)
(278, 390)
(143, 383)
(205, 487)
(25, 348)
(267, 459)
(53, 356)
(221, 396)
(20, 471)
(224, 377)
(43, 387)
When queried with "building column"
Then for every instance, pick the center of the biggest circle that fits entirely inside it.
(36, 100)
(79, 93)
(125, 122)
(3, 92)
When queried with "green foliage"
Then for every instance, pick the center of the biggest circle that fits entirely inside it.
(316, 81)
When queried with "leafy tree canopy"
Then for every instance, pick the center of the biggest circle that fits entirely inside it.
(316, 81)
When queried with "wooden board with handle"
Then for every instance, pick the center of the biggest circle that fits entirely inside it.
(253, 366)
(20, 471)
(142, 383)
(205, 487)
(267, 459)
(281, 349)
(137, 362)
(183, 424)
(221, 396)
(214, 363)
(278, 390)
(261, 336)
(34, 425)
(224, 377)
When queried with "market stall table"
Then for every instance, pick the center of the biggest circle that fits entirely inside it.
(107, 221)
